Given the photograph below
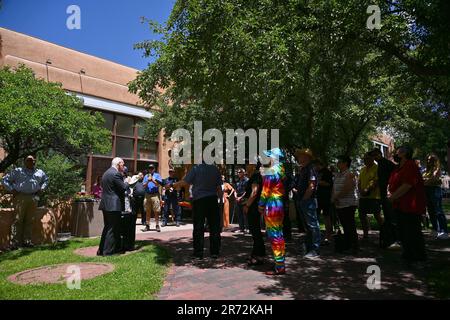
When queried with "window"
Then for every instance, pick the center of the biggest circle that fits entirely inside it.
(130, 166)
(109, 120)
(124, 147)
(140, 125)
(385, 151)
(124, 140)
(125, 126)
(383, 148)
(147, 151)
(142, 166)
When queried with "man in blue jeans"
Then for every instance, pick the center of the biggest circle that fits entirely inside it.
(305, 187)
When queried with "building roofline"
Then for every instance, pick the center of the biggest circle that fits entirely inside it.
(67, 48)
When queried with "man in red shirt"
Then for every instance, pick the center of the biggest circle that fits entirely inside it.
(407, 194)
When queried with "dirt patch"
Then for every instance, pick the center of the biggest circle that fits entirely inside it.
(60, 272)
(92, 251)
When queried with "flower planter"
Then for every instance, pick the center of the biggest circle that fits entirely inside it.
(6, 219)
(44, 226)
(86, 219)
(63, 212)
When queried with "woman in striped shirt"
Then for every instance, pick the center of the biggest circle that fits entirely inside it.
(345, 198)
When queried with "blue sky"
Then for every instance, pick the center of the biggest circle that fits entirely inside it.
(109, 28)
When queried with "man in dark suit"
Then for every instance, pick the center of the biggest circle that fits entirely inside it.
(112, 204)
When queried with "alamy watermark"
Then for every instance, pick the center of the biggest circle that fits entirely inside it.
(73, 280)
(374, 280)
(374, 20)
(232, 150)
(73, 22)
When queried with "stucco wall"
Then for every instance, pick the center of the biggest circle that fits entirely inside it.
(100, 77)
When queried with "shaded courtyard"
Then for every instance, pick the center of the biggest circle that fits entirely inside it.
(332, 276)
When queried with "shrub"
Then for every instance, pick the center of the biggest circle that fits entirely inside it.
(65, 177)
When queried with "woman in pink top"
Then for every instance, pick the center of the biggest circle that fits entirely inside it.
(97, 189)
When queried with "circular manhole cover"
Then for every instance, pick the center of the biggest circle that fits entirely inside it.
(60, 272)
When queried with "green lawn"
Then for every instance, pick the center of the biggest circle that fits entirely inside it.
(136, 276)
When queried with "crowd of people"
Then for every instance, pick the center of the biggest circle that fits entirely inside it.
(400, 195)
(123, 197)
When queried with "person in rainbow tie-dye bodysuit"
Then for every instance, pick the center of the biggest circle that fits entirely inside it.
(271, 207)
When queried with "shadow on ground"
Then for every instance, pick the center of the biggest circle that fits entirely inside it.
(332, 276)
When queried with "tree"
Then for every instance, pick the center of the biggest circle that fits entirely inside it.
(311, 69)
(415, 33)
(37, 116)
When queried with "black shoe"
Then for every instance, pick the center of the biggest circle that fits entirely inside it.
(214, 256)
(28, 245)
(253, 261)
(197, 257)
(158, 229)
(147, 228)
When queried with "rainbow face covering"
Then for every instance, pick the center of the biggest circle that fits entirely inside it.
(272, 201)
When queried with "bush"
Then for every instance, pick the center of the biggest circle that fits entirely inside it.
(65, 178)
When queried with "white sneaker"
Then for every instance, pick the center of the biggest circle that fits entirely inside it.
(312, 255)
(395, 245)
(442, 236)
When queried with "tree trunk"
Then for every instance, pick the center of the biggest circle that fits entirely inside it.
(7, 162)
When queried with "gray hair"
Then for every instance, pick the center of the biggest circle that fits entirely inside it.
(115, 162)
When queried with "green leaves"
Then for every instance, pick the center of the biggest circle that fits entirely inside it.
(65, 177)
(309, 68)
(37, 115)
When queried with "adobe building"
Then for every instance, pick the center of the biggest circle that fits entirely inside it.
(385, 143)
(102, 86)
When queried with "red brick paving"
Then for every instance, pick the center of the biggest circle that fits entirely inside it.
(330, 277)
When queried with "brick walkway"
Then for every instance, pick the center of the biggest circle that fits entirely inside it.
(330, 277)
